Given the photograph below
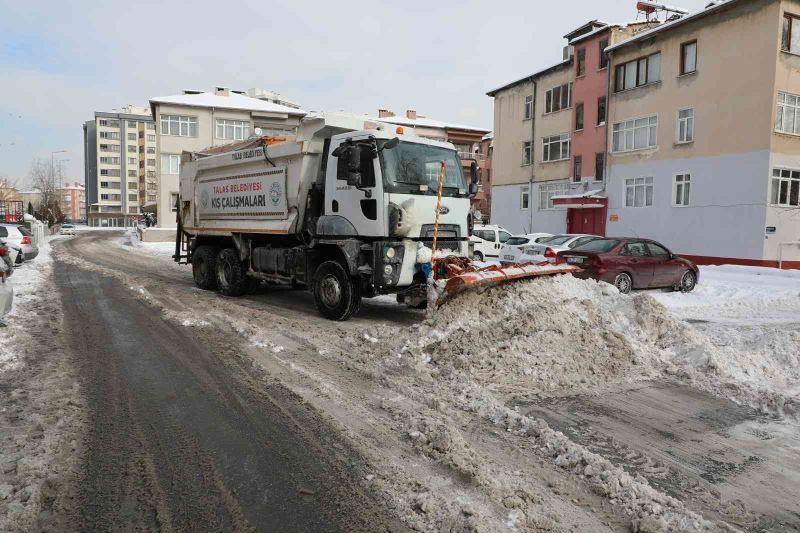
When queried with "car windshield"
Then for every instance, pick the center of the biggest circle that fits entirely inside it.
(68, 226)
(516, 241)
(413, 168)
(560, 239)
(598, 245)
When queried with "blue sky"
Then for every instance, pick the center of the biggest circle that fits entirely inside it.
(61, 61)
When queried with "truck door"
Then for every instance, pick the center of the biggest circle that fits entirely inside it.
(363, 206)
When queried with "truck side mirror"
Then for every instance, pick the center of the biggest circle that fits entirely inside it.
(475, 178)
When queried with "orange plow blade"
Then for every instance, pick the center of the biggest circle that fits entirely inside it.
(460, 274)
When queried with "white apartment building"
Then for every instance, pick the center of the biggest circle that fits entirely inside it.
(196, 120)
(120, 166)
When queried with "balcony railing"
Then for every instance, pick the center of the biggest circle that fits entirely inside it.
(470, 155)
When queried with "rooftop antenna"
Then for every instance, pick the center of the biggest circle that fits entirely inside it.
(654, 11)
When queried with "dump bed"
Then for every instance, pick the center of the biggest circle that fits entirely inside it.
(259, 188)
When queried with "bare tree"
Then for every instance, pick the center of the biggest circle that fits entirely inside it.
(8, 189)
(44, 176)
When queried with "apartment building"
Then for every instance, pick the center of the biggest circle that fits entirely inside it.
(482, 201)
(72, 200)
(196, 120)
(119, 166)
(704, 141)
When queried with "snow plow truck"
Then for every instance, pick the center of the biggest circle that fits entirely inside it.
(348, 209)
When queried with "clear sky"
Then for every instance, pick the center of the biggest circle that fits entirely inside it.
(61, 61)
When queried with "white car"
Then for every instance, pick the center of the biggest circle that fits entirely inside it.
(486, 242)
(548, 248)
(512, 250)
(67, 229)
(21, 239)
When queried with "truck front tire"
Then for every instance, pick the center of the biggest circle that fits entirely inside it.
(336, 294)
(231, 274)
(204, 267)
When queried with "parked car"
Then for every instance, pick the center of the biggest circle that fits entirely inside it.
(6, 291)
(486, 242)
(67, 229)
(19, 237)
(629, 263)
(512, 250)
(548, 248)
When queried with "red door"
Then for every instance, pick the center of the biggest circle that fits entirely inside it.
(590, 220)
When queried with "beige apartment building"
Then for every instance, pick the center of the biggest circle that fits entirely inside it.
(196, 120)
(120, 166)
(704, 140)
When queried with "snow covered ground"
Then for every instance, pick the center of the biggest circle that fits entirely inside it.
(131, 241)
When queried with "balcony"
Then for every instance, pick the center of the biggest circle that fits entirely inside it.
(473, 156)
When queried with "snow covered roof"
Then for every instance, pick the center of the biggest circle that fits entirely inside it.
(708, 10)
(424, 122)
(542, 72)
(230, 101)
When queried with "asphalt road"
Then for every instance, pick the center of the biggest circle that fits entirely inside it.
(186, 435)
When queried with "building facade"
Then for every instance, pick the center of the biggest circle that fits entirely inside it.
(197, 120)
(704, 145)
(119, 166)
(72, 200)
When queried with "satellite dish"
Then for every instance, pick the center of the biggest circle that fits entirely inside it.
(258, 131)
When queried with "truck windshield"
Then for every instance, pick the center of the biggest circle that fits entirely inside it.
(413, 168)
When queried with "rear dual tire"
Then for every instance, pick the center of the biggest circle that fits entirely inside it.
(215, 269)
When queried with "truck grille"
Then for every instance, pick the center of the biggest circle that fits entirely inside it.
(448, 239)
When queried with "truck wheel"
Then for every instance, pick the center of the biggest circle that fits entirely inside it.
(336, 294)
(231, 275)
(204, 267)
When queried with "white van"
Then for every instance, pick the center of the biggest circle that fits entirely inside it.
(486, 242)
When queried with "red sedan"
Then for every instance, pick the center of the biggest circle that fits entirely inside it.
(632, 264)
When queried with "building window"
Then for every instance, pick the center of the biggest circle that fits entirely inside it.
(132, 137)
(131, 149)
(601, 110)
(151, 174)
(686, 125)
(132, 174)
(109, 147)
(555, 148)
(133, 197)
(681, 190)
(178, 125)
(131, 124)
(524, 198)
(599, 166)
(150, 126)
(689, 57)
(577, 168)
(109, 123)
(636, 134)
(558, 98)
(151, 149)
(131, 160)
(787, 119)
(151, 162)
(785, 188)
(173, 202)
(151, 138)
(638, 192)
(580, 62)
(579, 116)
(526, 153)
(110, 172)
(109, 160)
(603, 54)
(642, 71)
(528, 106)
(547, 191)
(234, 130)
(111, 135)
(790, 41)
(170, 163)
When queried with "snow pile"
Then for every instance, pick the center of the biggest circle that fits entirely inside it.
(557, 335)
(130, 241)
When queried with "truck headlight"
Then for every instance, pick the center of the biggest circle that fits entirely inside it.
(390, 252)
(388, 270)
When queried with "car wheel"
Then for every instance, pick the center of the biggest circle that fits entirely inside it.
(688, 281)
(477, 256)
(624, 283)
(336, 294)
